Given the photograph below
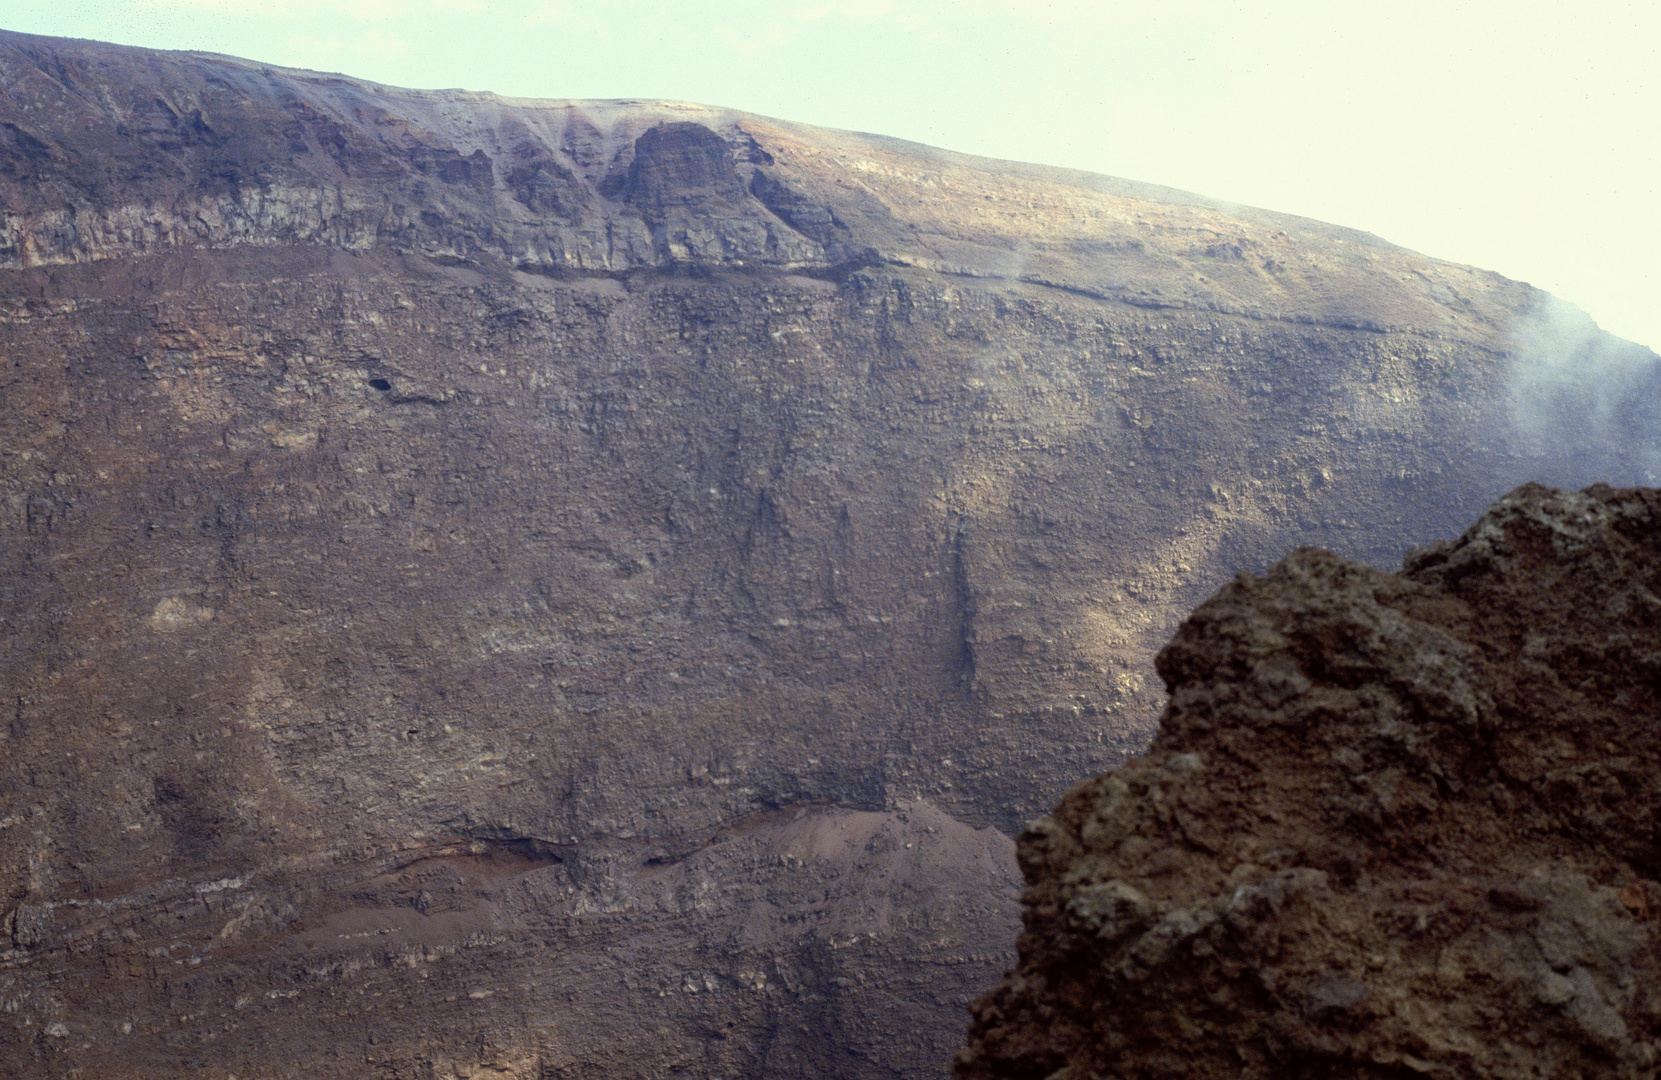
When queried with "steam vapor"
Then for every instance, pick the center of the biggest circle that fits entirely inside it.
(1576, 395)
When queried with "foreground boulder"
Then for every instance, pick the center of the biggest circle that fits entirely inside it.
(1393, 825)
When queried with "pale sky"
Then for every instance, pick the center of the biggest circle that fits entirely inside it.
(1520, 136)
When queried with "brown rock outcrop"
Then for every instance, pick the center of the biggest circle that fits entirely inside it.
(432, 525)
(1393, 825)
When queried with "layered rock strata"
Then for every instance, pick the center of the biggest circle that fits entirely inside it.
(433, 525)
(1392, 825)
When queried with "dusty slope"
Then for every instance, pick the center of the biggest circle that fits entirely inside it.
(561, 489)
(1391, 826)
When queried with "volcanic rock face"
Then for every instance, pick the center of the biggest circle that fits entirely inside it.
(588, 588)
(1391, 826)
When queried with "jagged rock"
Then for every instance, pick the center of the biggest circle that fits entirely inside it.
(1392, 825)
(430, 523)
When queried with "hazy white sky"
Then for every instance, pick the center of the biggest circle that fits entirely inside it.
(1520, 136)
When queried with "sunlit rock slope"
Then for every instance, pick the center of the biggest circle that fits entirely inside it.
(589, 588)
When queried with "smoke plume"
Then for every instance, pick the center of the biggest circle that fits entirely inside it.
(1583, 404)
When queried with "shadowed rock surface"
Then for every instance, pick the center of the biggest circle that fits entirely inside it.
(446, 541)
(1391, 826)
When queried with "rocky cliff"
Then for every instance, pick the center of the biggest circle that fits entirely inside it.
(1391, 826)
(587, 588)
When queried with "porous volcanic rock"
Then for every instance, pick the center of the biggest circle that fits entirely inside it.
(447, 540)
(1392, 825)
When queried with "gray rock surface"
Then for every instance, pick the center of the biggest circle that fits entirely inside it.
(523, 505)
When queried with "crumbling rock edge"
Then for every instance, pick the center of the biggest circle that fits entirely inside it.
(1393, 825)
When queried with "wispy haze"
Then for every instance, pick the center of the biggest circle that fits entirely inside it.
(1523, 137)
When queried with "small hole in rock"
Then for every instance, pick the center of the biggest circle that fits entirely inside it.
(380, 384)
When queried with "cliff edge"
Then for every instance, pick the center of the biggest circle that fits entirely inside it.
(592, 588)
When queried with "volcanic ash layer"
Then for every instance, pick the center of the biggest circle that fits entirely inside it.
(568, 589)
(1393, 825)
